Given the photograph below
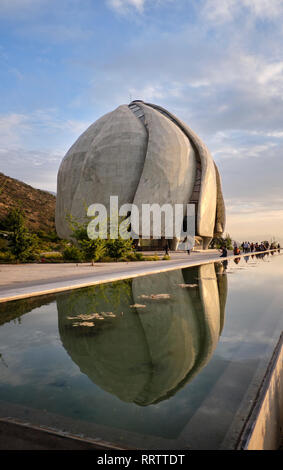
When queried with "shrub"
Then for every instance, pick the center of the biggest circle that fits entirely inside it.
(106, 259)
(56, 255)
(4, 244)
(151, 258)
(98, 248)
(133, 256)
(130, 257)
(33, 257)
(166, 257)
(139, 256)
(93, 250)
(48, 236)
(72, 253)
(119, 248)
(6, 256)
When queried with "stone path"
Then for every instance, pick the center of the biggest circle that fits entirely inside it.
(26, 280)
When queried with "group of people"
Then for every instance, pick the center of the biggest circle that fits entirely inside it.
(248, 247)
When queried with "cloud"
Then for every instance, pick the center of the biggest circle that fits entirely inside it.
(122, 6)
(35, 167)
(219, 10)
(216, 11)
(264, 9)
(22, 152)
(252, 185)
(27, 129)
(12, 128)
(222, 11)
(215, 88)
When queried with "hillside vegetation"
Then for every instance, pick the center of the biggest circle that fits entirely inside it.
(38, 206)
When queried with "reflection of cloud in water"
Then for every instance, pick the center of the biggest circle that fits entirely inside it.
(145, 354)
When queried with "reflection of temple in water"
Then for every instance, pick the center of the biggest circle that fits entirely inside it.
(143, 339)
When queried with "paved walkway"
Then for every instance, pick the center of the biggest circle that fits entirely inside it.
(27, 280)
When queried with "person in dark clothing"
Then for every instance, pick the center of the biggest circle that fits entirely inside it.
(224, 252)
(166, 248)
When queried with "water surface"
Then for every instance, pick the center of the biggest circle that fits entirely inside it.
(171, 360)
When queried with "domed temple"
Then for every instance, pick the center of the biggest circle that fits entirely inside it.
(144, 155)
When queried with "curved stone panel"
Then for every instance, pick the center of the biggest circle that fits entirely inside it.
(170, 165)
(207, 197)
(106, 160)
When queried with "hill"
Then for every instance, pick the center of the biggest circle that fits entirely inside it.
(38, 205)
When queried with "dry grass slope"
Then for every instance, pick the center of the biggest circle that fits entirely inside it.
(38, 205)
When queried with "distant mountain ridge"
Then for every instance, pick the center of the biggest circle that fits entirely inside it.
(38, 205)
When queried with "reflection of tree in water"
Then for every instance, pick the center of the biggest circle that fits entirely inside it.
(12, 311)
(145, 354)
(110, 297)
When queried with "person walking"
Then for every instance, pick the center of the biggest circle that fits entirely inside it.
(166, 248)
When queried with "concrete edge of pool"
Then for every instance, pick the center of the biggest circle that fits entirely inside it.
(61, 286)
(18, 435)
(264, 426)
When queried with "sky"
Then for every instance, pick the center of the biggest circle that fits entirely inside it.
(216, 64)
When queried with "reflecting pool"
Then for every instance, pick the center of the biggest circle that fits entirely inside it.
(165, 361)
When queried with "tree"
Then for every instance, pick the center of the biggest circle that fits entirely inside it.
(14, 219)
(218, 242)
(119, 247)
(94, 249)
(79, 230)
(22, 242)
(228, 242)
